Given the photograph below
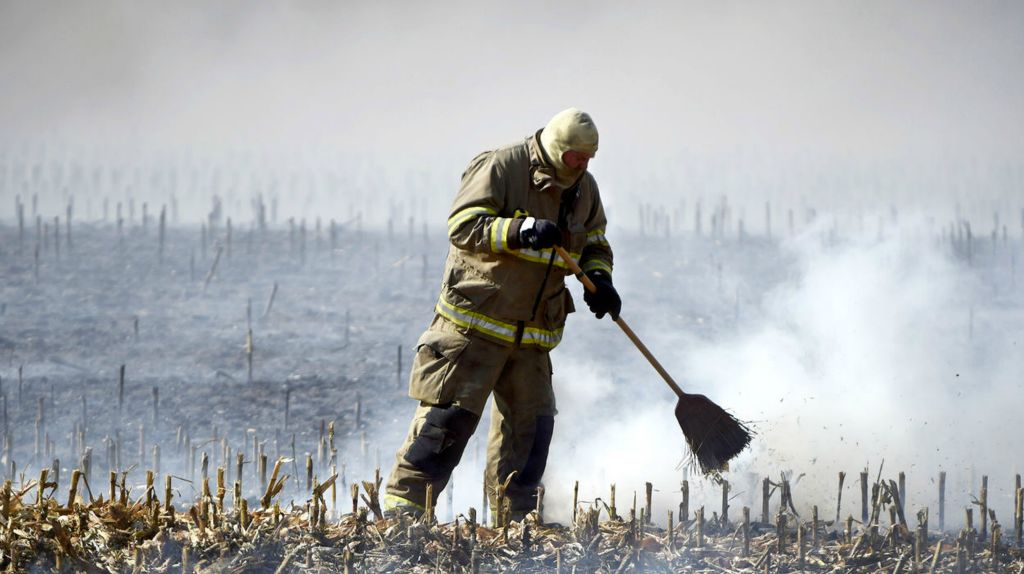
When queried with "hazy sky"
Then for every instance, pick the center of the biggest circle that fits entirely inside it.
(415, 82)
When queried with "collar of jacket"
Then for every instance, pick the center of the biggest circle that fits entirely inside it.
(542, 173)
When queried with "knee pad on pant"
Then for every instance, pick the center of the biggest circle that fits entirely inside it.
(537, 461)
(438, 446)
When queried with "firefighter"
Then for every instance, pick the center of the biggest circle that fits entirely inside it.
(501, 310)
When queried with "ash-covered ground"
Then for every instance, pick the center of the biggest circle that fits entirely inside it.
(848, 343)
(754, 321)
(332, 312)
(327, 345)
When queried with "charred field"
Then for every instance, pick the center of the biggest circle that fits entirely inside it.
(218, 398)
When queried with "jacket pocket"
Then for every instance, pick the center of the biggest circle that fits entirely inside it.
(436, 354)
(466, 288)
(556, 307)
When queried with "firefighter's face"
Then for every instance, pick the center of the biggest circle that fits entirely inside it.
(576, 159)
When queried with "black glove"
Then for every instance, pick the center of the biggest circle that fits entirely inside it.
(539, 233)
(605, 299)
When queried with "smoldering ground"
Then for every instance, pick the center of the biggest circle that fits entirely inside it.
(885, 352)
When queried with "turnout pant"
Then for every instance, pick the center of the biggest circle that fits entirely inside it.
(453, 374)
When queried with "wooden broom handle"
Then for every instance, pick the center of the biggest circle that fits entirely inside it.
(589, 286)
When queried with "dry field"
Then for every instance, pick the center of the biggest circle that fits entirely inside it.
(189, 399)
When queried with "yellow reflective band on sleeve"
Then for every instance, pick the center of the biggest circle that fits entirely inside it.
(498, 329)
(596, 237)
(456, 220)
(596, 265)
(543, 256)
(499, 234)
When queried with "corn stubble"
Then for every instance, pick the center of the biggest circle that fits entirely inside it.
(123, 532)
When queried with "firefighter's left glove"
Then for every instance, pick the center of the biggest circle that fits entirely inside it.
(605, 299)
(539, 233)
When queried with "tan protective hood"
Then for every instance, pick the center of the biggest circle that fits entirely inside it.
(568, 130)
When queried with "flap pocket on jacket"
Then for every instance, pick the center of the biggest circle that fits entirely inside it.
(436, 354)
(465, 288)
(557, 307)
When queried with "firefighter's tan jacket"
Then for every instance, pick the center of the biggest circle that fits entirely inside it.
(492, 283)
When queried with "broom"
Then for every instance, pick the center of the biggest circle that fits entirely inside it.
(713, 435)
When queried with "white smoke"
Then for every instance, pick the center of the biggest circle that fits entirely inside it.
(863, 353)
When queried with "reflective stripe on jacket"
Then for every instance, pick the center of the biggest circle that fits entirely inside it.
(491, 283)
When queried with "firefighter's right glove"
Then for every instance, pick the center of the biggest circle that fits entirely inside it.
(539, 233)
(605, 299)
